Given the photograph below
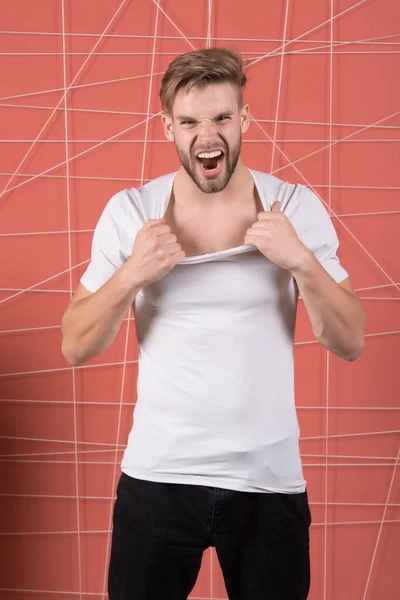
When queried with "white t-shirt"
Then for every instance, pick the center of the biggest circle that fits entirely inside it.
(215, 389)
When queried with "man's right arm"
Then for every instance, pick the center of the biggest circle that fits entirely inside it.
(92, 320)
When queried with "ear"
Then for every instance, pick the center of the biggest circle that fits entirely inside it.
(168, 127)
(245, 117)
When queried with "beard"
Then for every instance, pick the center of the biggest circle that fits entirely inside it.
(212, 186)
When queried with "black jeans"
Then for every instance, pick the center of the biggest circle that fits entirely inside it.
(162, 529)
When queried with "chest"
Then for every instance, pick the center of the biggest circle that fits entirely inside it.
(230, 292)
(205, 230)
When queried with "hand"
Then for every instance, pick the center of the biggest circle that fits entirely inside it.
(276, 238)
(155, 252)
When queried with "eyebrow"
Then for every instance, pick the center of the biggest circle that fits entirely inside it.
(227, 113)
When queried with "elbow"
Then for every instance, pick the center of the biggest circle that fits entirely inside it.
(348, 352)
(356, 352)
(70, 345)
(359, 346)
(70, 354)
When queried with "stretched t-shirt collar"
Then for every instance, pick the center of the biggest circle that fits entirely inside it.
(220, 253)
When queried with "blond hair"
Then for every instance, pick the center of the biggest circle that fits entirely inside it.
(199, 68)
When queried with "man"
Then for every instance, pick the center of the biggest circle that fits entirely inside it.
(212, 258)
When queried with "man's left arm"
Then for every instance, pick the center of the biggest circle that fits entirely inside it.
(337, 315)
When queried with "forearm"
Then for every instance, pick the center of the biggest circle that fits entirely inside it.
(337, 316)
(90, 325)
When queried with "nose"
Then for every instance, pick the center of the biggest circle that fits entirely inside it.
(206, 131)
(207, 124)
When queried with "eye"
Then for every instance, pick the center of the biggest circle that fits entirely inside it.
(222, 117)
(187, 122)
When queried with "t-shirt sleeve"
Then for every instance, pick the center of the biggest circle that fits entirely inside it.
(318, 234)
(107, 254)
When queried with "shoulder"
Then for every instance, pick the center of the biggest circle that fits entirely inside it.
(293, 197)
(310, 205)
(132, 207)
(299, 203)
(272, 188)
(310, 216)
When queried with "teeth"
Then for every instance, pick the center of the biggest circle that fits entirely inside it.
(209, 154)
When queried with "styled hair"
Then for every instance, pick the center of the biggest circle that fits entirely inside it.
(202, 67)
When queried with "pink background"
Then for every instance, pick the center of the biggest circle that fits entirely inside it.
(324, 97)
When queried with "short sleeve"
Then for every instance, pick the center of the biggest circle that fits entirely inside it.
(107, 254)
(318, 234)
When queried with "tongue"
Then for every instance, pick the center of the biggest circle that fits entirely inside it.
(210, 163)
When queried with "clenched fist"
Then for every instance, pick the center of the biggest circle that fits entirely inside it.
(275, 237)
(155, 252)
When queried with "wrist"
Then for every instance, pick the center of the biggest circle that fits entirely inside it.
(128, 278)
(304, 264)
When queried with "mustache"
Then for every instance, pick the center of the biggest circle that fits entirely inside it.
(223, 144)
(225, 150)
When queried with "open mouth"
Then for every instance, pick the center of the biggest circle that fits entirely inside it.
(210, 162)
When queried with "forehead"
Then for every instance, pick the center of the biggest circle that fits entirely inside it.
(207, 101)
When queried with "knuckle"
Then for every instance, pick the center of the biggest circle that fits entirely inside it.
(147, 233)
(153, 242)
